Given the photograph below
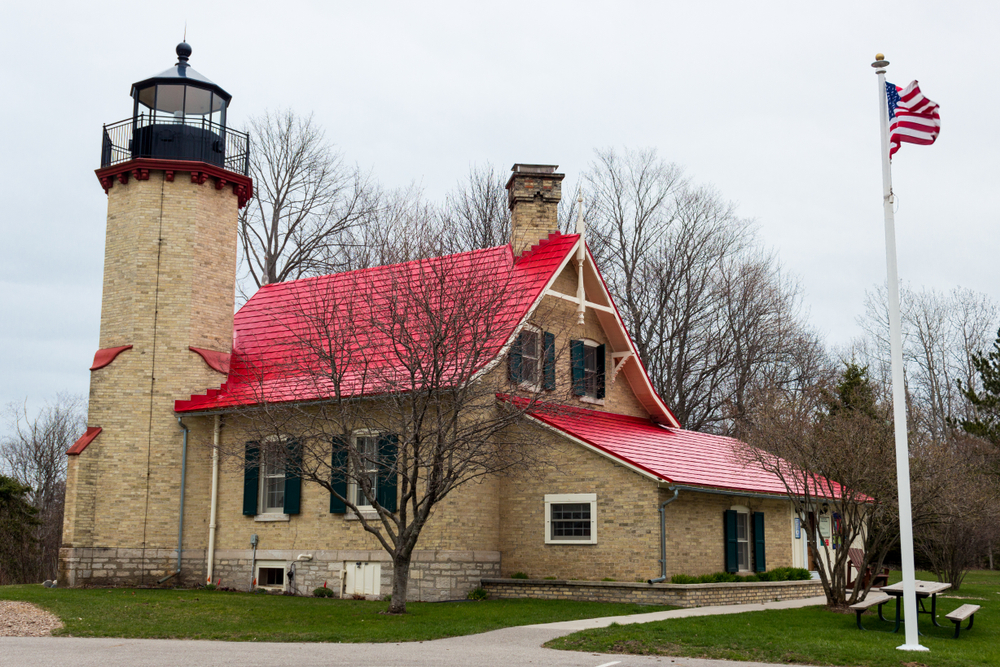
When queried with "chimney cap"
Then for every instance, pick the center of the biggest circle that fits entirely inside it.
(519, 168)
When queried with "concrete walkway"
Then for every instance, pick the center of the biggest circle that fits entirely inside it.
(500, 648)
(590, 623)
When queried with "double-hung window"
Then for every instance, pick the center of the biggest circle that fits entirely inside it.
(588, 362)
(360, 459)
(367, 449)
(571, 518)
(744, 540)
(272, 485)
(531, 361)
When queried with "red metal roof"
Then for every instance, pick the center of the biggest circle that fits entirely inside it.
(278, 332)
(670, 454)
(85, 439)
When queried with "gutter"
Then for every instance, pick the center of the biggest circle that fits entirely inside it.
(180, 516)
(215, 497)
(663, 537)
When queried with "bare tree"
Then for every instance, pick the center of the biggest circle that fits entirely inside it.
(476, 213)
(964, 526)
(711, 313)
(404, 362)
(34, 454)
(942, 333)
(304, 197)
(832, 448)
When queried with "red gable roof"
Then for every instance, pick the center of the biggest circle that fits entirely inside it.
(668, 454)
(278, 332)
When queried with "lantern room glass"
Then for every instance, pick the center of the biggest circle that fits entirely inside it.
(179, 103)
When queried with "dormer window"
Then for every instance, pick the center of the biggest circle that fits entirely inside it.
(587, 359)
(531, 361)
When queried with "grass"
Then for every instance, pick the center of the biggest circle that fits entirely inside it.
(813, 635)
(200, 614)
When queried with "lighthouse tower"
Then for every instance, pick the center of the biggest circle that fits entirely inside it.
(175, 177)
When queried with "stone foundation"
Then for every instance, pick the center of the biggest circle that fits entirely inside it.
(129, 567)
(434, 575)
(677, 595)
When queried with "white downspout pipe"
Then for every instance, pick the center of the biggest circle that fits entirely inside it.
(581, 254)
(215, 498)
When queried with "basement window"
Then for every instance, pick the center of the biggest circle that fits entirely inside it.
(571, 518)
(270, 575)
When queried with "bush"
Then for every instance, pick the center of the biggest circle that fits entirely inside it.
(479, 593)
(519, 575)
(209, 587)
(777, 574)
(322, 592)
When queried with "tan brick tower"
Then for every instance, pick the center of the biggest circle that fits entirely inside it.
(175, 178)
(533, 193)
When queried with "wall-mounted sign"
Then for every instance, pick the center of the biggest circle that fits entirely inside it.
(824, 526)
(798, 528)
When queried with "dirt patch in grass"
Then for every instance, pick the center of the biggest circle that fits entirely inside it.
(23, 619)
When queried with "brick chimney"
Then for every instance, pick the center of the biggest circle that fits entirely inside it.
(533, 193)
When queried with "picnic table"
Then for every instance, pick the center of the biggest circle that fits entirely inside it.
(925, 589)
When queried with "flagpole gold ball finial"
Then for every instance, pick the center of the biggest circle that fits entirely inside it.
(879, 56)
(880, 61)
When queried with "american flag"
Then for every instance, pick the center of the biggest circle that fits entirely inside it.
(913, 119)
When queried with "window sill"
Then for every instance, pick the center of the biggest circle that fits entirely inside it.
(530, 386)
(591, 400)
(367, 514)
(576, 542)
(272, 517)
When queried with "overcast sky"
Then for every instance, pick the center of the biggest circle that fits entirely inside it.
(772, 103)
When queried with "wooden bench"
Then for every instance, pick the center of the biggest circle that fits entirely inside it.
(869, 602)
(966, 611)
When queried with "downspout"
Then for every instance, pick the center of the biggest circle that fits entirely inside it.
(215, 497)
(663, 538)
(180, 519)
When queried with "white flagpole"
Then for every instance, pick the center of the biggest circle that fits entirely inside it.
(898, 390)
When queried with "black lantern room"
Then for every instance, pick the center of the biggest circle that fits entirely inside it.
(178, 114)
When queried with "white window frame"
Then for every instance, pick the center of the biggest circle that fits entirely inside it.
(353, 489)
(743, 513)
(566, 499)
(532, 384)
(265, 513)
(588, 397)
(283, 565)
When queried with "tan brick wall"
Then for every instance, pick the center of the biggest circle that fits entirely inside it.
(170, 259)
(559, 317)
(627, 529)
(695, 537)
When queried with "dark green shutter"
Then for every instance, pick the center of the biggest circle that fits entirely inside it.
(549, 367)
(338, 475)
(599, 380)
(388, 448)
(293, 477)
(576, 365)
(251, 479)
(758, 542)
(729, 522)
(514, 361)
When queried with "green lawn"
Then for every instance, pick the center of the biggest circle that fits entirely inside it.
(124, 612)
(813, 635)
